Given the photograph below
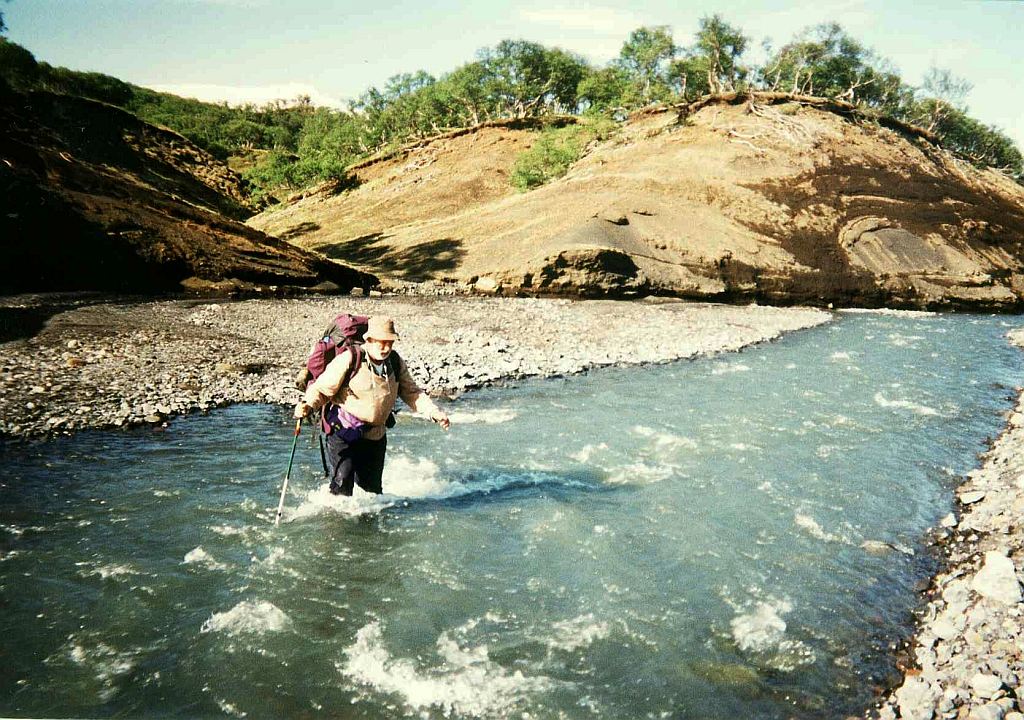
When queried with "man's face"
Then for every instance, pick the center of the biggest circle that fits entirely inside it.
(378, 349)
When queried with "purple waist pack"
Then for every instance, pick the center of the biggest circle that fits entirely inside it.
(340, 422)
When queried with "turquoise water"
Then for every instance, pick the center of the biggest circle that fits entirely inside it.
(702, 539)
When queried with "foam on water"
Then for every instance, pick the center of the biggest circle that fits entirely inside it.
(404, 477)
(254, 617)
(587, 452)
(886, 311)
(760, 632)
(229, 709)
(466, 682)
(108, 571)
(915, 408)
(494, 416)
(106, 663)
(198, 556)
(578, 632)
(899, 340)
(407, 480)
(813, 528)
(640, 473)
(725, 368)
(664, 441)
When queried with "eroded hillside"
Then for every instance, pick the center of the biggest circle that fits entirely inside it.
(777, 200)
(96, 199)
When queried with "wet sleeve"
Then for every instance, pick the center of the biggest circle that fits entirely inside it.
(411, 393)
(328, 384)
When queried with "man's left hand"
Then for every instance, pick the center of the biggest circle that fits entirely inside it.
(441, 419)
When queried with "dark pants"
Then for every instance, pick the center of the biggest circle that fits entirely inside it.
(361, 462)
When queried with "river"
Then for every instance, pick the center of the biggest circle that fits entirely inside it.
(733, 536)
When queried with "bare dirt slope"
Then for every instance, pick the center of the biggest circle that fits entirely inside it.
(781, 200)
(96, 199)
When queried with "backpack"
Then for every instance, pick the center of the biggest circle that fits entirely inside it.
(345, 333)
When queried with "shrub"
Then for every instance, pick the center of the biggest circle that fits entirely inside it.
(556, 150)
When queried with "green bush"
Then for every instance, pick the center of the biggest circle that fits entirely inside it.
(555, 151)
(18, 67)
(550, 157)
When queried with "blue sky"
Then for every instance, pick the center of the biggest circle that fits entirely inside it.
(334, 49)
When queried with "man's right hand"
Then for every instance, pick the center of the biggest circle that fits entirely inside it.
(302, 410)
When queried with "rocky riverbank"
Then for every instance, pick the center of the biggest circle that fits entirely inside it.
(969, 649)
(112, 364)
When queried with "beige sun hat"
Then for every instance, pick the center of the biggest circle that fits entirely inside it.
(381, 327)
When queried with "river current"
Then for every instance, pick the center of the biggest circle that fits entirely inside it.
(734, 536)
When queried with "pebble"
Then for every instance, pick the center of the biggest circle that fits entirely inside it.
(997, 579)
(985, 686)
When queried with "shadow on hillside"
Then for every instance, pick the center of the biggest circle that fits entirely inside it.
(418, 263)
(297, 230)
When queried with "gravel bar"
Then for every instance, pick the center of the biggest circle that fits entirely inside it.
(110, 364)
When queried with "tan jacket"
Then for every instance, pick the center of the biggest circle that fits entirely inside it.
(367, 395)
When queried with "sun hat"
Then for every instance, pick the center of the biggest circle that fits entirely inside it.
(381, 327)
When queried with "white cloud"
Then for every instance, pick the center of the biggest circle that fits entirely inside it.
(240, 95)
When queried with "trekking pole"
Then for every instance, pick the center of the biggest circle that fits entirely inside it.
(284, 487)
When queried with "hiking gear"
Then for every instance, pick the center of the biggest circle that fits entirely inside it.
(338, 421)
(284, 486)
(358, 463)
(323, 456)
(334, 418)
(345, 332)
(368, 396)
(381, 327)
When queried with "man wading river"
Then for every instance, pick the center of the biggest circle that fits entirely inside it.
(359, 388)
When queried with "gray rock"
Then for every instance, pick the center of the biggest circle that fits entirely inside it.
(487, 285)
(886, 713)
(997, 579)
(876, 547)
(986, 686)
(989, 711)
(971, 497)
(944, 629)
(917, 700)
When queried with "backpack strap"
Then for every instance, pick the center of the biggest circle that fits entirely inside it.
(356, 352)
(394, 362)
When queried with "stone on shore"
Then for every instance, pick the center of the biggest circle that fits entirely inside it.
(916, 699)
(986, 686)
(997, 579)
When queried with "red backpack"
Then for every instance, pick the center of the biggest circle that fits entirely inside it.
(346, 332)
